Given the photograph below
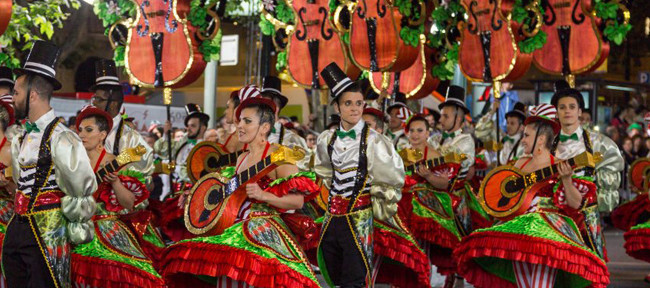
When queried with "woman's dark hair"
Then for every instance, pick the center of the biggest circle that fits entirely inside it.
(266, 114)
(234, 97)
(101, 122)
(545, 129)
(4, 118)
(418, 118)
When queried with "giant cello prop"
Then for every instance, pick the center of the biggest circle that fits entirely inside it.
(489, 51)
(162, 48)
(311, 44)
(416, 81)
(575, 44)
(5, 15)
(375, 44)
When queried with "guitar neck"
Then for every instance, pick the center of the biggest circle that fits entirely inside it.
(427, 163)
(230, 159)
(108, 168)
(245, 176)
(547, 172)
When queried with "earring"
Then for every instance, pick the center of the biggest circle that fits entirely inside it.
(100, 147)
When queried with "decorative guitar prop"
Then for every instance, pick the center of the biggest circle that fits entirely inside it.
(413, 156)
(214, 201)
(506, 192)
(127, 156)
(208, 157)
(638, 174)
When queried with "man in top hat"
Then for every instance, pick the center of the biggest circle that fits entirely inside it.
(272, 89)
(512, 149)
(453, 140)
(53, 201)
(196, 123)
(365, 176)
(572, 140)
(109, 97)
(398, 113)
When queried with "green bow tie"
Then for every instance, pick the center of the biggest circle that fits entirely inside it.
(273, 129)
(31, 127)
(191, 141)
(341, 134)
(564, 138)
(392, 136)
(446, 135)
(508, 139)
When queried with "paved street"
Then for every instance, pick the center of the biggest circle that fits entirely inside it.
(625, 271)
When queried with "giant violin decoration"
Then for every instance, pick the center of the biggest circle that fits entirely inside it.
(574, 44)
(488, 51)
(415, 82)
(161, 50)
(5, 15)
(506, 192)
(313, 44)
(374, 27)
(214, 201)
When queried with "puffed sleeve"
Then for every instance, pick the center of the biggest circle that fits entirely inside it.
(585, 187)
(322, 161)
(132, 138)
(386, 168)
(75, 177)
(608, 172)
(484, 130)
(15, 151)
(292, 140)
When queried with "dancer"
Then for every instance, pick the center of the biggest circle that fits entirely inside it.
(114, 257)
(258, 250)
(53, 201)
(573, 140)
(398, 113)
(365, 175)
(543, 247)
(426, 206)
(109, 97)
(485, 131)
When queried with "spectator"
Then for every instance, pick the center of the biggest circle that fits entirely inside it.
(211, 135)
(311, 140)
(178, 135)
(635, 129)
(639, 149)
(613, 133)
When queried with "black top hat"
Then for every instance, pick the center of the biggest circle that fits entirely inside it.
(272, 86)
(436, 114)
(194, 110)
(400, 101)
(41, 61)
(567, 92)
(6, 76)
(337, 80)
(106, 75)
(560, 85)
(455, 96)
(518, 111)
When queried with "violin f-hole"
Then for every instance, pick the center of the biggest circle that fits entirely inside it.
(472, 28)
(496, 25)
(581, 17)
(381, 10)
(145, 32)
(549, 20)
(302, 35)
(327, 34)
(171, 28)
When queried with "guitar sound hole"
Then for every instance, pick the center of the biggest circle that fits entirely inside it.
(213, 162)
(514, 185)
(214, 196)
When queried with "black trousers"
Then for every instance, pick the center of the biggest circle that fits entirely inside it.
(23, 263)
(343, 259)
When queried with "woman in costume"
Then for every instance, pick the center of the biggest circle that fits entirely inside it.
(259, 249)
(7, 186)
(542, 247)
(114, 258)
(232, 142)
(425, 206)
